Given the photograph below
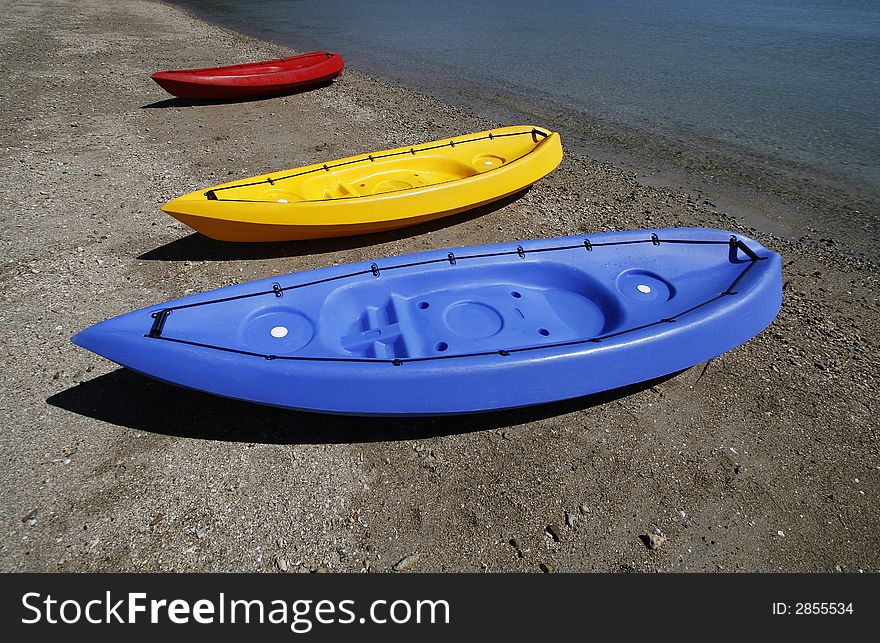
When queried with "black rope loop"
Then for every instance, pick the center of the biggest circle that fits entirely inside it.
(160, 316)
(534, 133)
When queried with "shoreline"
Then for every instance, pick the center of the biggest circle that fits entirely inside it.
(768, 194)
(764, 459)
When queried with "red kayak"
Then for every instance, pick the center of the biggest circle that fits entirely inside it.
(252, 80)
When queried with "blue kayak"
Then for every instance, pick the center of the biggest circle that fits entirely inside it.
(464, 330)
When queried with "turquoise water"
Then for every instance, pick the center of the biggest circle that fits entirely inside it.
(793, 80)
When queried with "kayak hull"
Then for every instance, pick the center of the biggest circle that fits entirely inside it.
(373, 192)
(460, 331)
(252, 80)
(244, 231)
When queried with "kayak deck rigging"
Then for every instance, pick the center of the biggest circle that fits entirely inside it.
(377, 330)
(389, 184)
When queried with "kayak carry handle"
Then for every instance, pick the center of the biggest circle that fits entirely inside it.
(737, 244)
(158, 322)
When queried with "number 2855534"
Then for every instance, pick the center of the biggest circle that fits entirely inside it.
(812, 608)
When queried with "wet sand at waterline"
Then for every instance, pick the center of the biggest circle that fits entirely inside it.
(765, 458)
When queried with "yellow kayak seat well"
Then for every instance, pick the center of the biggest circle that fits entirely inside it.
(373, 192)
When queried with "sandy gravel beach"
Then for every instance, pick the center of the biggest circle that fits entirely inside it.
(765, 459)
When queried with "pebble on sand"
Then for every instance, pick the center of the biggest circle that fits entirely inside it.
(406, 562)
(653, 541)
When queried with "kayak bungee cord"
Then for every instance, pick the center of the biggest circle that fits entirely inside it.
(733, 245)
(211, 194)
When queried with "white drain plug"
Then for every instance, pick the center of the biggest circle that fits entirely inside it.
(279, 332)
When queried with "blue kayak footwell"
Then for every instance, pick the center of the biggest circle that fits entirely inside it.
(463, 330)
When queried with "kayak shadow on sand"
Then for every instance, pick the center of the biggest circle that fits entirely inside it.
(198, 247)
(128, 399)
(198, 102)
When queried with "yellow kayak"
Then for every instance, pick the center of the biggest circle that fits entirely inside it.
(373, 192)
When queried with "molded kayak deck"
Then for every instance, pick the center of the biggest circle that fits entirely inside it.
(373, 192)
(468, 330)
